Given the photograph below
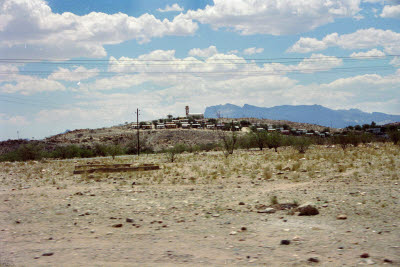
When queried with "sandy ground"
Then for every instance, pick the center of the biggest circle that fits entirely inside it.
(204, 209)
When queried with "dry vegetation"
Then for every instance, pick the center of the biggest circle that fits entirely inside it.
(205, 209)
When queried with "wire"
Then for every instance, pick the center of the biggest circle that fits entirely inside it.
(245, 72)
(33, 60)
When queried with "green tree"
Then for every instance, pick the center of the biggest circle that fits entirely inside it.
(274, 140)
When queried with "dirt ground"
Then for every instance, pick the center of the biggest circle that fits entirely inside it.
(204, 209)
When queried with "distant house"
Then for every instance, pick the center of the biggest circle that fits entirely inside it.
(196, 125)
(260, 129)
(161, 126)
(147, 126)
(185, 125)
(210, 126)
(170, 125)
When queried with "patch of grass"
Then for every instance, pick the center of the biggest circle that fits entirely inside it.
(274, 200)
(267, 173)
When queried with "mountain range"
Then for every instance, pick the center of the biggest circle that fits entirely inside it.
(315, 114)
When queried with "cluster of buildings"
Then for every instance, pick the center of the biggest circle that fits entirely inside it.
(197, 121)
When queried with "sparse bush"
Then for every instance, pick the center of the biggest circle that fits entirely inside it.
(274, 200)
(259, 139)
(394, 136)
(301, 143)
(228, 141)
(267, 173)
(274, 140)
(173, 151)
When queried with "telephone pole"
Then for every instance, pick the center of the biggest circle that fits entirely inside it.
(137, 124)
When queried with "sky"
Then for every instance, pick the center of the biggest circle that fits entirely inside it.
(91, 64)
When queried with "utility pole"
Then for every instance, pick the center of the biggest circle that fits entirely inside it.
(18, 134)
(137, 121)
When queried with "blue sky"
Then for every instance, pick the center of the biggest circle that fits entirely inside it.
(89, 64)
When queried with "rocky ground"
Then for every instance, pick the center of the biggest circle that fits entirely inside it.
(205, 209)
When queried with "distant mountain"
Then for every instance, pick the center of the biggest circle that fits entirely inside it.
(314, 114)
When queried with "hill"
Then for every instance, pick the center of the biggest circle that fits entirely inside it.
(313, 114)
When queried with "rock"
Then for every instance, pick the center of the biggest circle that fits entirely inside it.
(341, 217)
(364, 255)
(388, 261)
(243, 228)
(286, 169)
(307, 209)
(129, 220)
(267, 210)
(48, 254)
(118, 225)
(241, 203)
(296, 238)
(285, 242)
(313, 259)
(369, 262)
(233, 233)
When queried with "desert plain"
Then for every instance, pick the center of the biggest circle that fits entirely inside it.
(206, 210)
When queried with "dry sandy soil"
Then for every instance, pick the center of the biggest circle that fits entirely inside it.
(204, 209)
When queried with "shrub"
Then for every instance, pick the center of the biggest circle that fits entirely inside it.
(25, 152)
(173, 151)
(395, 137)
(301, 143)
(274, 141)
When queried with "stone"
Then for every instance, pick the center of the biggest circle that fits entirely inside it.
(364, 255)
(313, 259)
(267, 210)
(129, 220)
(241, 203)
(341, 217)
(285, 242)
(118, 225)
(48, 254)
(233, 233)
(243, 228)
(307, 209)
(296, 238)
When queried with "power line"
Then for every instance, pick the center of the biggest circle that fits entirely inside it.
(239, 71)
(33, 60)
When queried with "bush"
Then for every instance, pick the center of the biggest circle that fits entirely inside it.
(301, 143)
(274, 141)
(25, 152)
(173, 151)
(394, 136)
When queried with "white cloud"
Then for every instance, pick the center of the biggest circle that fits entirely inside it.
(168, 8)
(315, 63)
(276, 17)
(206, 52)
(12, 120)
(374, 1)
(253, 50)
(361, 39)
(235, 51)
(29, 28)
(28, 85)
(395, 61)
(391, 12)
(78, 74)
(371, 53)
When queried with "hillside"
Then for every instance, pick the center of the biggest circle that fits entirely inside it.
(157, 139)
(314, 114)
